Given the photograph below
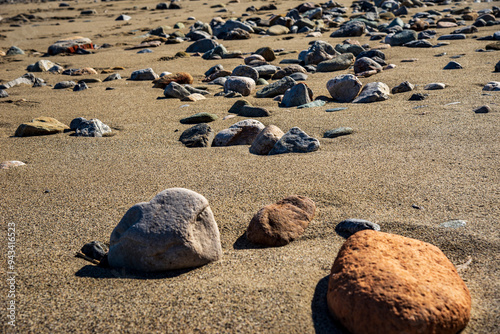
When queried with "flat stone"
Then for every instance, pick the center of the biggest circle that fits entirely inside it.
(355, 49)
(385, 283)
(418, 97)
(421, 43)
(200, 135)
(492, 86)
(265, 140)
(193, 97)
(202, 117)
(451, 37)
(313, 104)
(175, 230)
(40, 126)
(334, 133)
(241, 133)
(455, 223)
(144, 75)
(402, 37)
(70, 45)
(65, 85)
(336, 109)
(373, 92)
(344, 88)
(266, 71)
(435, 86)
(483, 109)
(278, 30)
(296, 96)
(350, 29)
(276, 88)
(295, 141)
(249, 111)
(338, 63)
(3, 93)
(238, 105)
(243, 85)
(26, 79)
(403, 87)
(280, 223)
(11, 164)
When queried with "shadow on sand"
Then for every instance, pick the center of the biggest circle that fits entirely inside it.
(100, 272)
(323, 322)
(243, 243)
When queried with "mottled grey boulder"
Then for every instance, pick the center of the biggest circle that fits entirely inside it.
(111, 77)
(175, 230)
(373, 92)
(295, 141)
(175, 90)
(266, 71)
(266, 140)
(350, 29)
(202, 45)
(349, 48)
(14, 50)
(243, 85)
(245, 71)
(144, 74)
(319, 51)
(89, 128)
(344, 88)
(402, 37)
(339, 63)
(64, 85)
(276, 88)
(405, 86)
(296, 96)
(200, 135)
(241, 133)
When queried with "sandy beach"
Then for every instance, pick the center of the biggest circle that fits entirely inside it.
(409, 166)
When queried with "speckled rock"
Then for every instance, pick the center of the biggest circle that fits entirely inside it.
(243, 85)
(385, 283)
(200, 135)
(373, 92)
(280, 223)
(296, 96)
(40, 126)
(144, 75)
(295, 141)
(89, 128)
(175, 230)
(344, 88)
(241, 133)
(266, 140)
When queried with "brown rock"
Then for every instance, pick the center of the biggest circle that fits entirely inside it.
(218, 74)
(266, 139)
(40, 126)
(280, 223)
(385, 283)
(194, 97)
(180, 78)
(84, 71)
(294, 68)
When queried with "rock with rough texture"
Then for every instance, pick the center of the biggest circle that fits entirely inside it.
(40, 126)
(280, 223)
(243, 85)
(334, 133)
(344, 88)
(89, 128)
(295, 141)
(245, 71)
(70, 45)
(200, 135)
(296, 96)
(175, 90)
(339, 63)
(26, 79)
(241, 133)
(319, 51)
(373, 92)
(266, 140)
(435, 86)
(180, 78)
(201, 117)
(40, 66)
(402, 37)
(350, 226)
(175, 230)
(249, 111)
(95, 250)
(385, 283)
(405, 86)
(276, 88)
(144, 74)
(350, 29)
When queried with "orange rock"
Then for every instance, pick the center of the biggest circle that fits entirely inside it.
(180, 78)
(280, 223)
(385, 283)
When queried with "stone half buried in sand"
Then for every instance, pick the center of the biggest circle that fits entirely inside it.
(385, 283)
(295, 141)
(241, 133)
(40, 126)
(280, 223)
(180, 78)
(70, 45)
(175, 230)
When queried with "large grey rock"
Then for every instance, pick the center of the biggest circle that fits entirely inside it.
(200, 135)
(175, 90)
(243, 85)
(241, 133)
(175, 230)
(355, 49)
(319, 51)
(402, 37)
(202, 45)
(350, 29)
(266, 140)
(373, 92)
(40, 66)
(266, 71)
(144, 74)
(89, 128)
(344, 88)
(405, 86)
(224, 29)
(111, 77)
(296, 96)
(364, 64)
(339, 63)
(295, 141)
(14, 50)
(276, 88)
(245, 71)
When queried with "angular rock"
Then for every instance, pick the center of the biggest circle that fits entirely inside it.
(344, 88)
(497, 67)
(319, 51)
(295, 141)
(40, 126)
(338, 63)
(384, 283)
(95, 250)
(11, 164)
(70, 45)
(403, 37)
(65, 85)
(296, 96)
(405, 86)
(241, 133)
(89, 128)
(201, 117)
(350, 29)
(144, 74)
(418, 97)
(373, 92)
(334, 133)
(123, 17)
(245, 71)
(175, 90)
(202, 45)
(249, 111)
(483, 109)
(200, 135)
(280, 223)
(266, 140)
(237, 106)
(453, 65)
(243, 85)
(80, 86)
(365, 64)
(418, 44)
(276, 88)
(492, 86)
(180, 78)
(40, 66)
(26, 79)
(175, 230)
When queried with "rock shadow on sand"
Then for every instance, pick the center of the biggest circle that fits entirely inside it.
(243, 243)
(100, 272)
(323, 322)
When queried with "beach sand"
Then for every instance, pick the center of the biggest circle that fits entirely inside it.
(438, 156)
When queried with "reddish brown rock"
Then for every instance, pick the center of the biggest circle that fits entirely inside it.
(280, 223)
(180, 78)
(385, 283)
(70, 45)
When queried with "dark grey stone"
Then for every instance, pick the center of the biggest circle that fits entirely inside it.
(339, 63)
(111, 77)
(249, 111)
(350, 29)
(200, 135)
(95, 250)
(201, 117)
(350, 226)
(453, 65)
(276, 88)
(334, 133)
(296, 96)
(65, 84)
(295, 141)
(405, 86)
(245, 71)
(202, 45)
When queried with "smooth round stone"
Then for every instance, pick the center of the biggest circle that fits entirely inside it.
(435, 86)
(245, 71)
(344, 88)
(261, 82)
(278, 30)
(456, 223)
(342, 131)
(297, 76)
